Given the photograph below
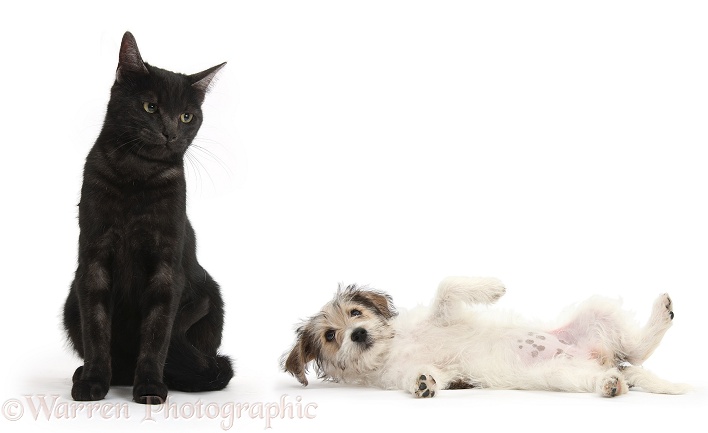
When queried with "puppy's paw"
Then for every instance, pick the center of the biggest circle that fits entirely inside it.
(613, 384)
(425, 386)
(150, 393)
(496, 289)
(663, 311)
(471, 290)
(677, 388)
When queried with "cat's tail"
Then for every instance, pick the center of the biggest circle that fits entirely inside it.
(189, 370)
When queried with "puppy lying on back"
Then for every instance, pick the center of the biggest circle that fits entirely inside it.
(358, 338)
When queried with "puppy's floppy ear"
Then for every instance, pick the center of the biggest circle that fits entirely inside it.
(380, 302)
(302, 353)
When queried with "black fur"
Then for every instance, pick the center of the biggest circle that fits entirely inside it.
(141, 310)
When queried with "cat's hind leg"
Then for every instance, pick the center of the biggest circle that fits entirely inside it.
(189, 370)
(72, 321)
(193, 364)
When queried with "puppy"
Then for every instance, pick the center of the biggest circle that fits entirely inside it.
(359, 338)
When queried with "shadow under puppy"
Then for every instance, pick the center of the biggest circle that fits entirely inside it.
(359, 338)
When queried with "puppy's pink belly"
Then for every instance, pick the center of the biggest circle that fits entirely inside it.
(533, 347)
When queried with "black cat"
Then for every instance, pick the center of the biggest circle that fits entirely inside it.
(141, 310)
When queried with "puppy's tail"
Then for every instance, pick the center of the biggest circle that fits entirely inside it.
(189, 370)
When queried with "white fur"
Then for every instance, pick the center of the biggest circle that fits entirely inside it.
(598, 348)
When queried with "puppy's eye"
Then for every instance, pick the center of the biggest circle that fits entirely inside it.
(150, 107)
(186, 117)
(329, 335)
(355, 313)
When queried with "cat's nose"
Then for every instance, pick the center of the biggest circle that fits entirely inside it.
(169, 137)
(169, 128)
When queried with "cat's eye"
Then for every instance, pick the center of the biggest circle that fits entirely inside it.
(329, 335)
(150, 107)
(186, 117)
(355, 313)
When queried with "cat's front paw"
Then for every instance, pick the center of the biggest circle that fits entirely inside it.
(150, 393)
(88, 390)
(425, 386)
(77, 374)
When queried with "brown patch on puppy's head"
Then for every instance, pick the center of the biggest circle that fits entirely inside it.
(379, 302)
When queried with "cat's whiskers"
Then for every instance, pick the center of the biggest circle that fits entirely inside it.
(141, 147)
(196, 163)
(190, 160)
(211, 155)
(132, 142)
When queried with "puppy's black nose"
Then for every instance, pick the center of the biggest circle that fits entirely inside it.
(359, 335)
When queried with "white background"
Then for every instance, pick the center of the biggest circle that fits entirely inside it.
(558, 146)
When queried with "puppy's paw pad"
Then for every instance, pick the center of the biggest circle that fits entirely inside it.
(613, 386)
(497, 292)
(426, 387)
(663, 309)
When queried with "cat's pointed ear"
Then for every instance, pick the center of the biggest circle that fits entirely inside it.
(202, 80)
(129, 59)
